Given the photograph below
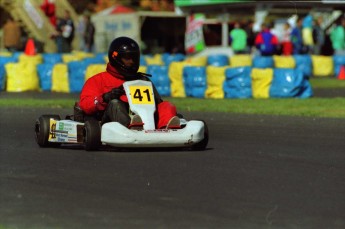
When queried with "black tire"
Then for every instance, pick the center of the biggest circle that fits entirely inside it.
(92, 135)
(42, 127)
(203, 143)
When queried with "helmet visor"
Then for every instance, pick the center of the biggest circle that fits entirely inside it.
(129, 61)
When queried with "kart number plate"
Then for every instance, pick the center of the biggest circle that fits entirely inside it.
(141, 94)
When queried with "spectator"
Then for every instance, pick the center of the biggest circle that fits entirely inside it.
(58, 35)
(286, 40)
(338, 37)
(296, 37)
(266, 42)
(238, 39)
(89, 34)
(12, 35)
(48, 7)
(64, 33)
(307, 34)
(250, 35)
(68, 31)
(80, 29)
(318, 36)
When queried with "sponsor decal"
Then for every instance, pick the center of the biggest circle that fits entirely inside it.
(157, 131)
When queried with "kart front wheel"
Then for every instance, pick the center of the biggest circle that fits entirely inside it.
(92, 135)
(42, 130)
(203, 143)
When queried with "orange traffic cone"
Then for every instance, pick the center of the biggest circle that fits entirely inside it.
(30, 48)
(341, 75)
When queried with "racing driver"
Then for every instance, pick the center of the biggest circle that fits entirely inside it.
(103, 96)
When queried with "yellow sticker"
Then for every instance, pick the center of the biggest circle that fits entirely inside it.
(52, 129)
(141, 94)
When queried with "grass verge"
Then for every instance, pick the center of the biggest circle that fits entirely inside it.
(328, 82)
(312, 107)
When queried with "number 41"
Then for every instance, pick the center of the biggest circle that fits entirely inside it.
(138, 95)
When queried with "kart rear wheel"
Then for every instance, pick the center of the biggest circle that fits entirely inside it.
(203, 143)
(42, 127)
(92, 135)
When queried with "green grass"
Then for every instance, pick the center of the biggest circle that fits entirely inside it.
(312, 107)
(328, 82)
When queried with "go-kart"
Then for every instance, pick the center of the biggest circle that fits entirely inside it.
(51, 131)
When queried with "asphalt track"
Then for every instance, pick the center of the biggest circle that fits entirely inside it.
(257, 172)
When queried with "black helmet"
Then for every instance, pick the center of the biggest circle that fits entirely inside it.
(124, 48)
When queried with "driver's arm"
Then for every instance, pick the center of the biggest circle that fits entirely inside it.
(91, 99)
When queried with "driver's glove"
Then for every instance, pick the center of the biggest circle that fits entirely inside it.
(115, 93)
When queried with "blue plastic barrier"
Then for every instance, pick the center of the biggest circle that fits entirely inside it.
(45, 72)
(338, 61)
(169, 58)
(3, 61)
(306, 90)
(52, 58)
(238, 83)
(142, 61)
(263, 62)
(76, 75)
(195, 81)
(16, 55)
(304, 64)
(289, 83)
(218, 60)
(160, 79)
(94, 60)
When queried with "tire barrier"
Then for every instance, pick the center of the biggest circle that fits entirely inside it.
(176, 75)
(238, 83)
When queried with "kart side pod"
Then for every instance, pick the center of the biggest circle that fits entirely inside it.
(115, 134)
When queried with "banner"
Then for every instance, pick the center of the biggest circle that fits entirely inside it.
(194, 37)
(33, 13)
(108, 27)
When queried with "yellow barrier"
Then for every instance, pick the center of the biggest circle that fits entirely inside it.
(21, 77)
(241, 60)
(82, 55)
(261, 82)
(215, 80)
(33, 60)
(155, 60)
(322, 66)
(60, 81)
(196, 61)
(93, 69)
(176, 79)
(7, 54)
(284, 61)
(142, 69)
(70, 57)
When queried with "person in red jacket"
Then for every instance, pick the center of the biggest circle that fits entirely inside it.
(103, 96)
(49, 9)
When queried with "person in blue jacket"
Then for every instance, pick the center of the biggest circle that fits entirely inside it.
(266, 42)
(296, 37)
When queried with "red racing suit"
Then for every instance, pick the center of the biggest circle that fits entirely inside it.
(91, 100)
